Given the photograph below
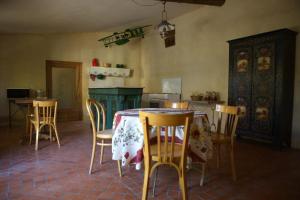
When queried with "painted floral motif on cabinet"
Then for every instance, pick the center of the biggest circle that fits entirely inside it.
(263, 90)
(242, 61)
(243, 112)
(264, 59)
(241, 82)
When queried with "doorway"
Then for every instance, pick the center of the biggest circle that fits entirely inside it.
(63, 82)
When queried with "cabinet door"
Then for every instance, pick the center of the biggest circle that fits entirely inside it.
(240, 84)
(263, 90)
(132, 101)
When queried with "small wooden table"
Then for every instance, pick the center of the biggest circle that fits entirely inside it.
(211, 104)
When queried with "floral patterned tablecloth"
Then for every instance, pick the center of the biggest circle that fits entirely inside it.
(128, 139)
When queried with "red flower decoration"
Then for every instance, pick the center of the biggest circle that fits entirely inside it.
(139, 155)
(117, 120)
(126, 155)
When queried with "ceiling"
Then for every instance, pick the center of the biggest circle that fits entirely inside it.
(61, 16)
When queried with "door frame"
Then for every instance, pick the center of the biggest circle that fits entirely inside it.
(50, 64)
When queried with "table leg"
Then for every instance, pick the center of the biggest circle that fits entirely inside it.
(213, 119)
(27, 121)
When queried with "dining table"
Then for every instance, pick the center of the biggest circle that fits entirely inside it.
(128, 137)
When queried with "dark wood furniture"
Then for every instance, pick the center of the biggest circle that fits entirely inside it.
(115, 99)
(19, 104)
(261, 83)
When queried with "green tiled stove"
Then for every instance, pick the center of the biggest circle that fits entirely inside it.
(115, 99)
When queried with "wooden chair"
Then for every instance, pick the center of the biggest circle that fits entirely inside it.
(44, 115)
(225, 134)
(185, 105)
(101, 136)
(180, 105)
(165, 152)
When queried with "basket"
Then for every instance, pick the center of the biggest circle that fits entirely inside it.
(195, 98)
(107, 65)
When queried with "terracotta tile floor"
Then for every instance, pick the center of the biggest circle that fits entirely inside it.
(53, 173)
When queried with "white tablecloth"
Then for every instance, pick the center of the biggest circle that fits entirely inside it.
(128, 138)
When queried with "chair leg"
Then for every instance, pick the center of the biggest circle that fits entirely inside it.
(154, 182)
(56, 134)
(93, 156)
(232, 164)
(27, 125)
(203, 174)
(50, 133)
(36, 138)
(30, 133)
(119, 168)
(146, 180)
(218, 155)
(182, 183)
(101, 152)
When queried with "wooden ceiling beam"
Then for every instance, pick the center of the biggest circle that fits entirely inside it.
(203, 2)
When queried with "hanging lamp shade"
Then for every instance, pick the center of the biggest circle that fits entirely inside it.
(164, 27)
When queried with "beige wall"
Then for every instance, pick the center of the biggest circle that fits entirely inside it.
(22, 65)
(200, 56)
(22, 59)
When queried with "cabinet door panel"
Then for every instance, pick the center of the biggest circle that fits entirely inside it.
(132, 101)
(263, 89)
(240, 84)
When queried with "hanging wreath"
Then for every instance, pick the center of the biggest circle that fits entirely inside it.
(93, 77)
(98, 76)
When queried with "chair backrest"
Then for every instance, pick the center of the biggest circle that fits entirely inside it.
(180, 105)
(45, 111)
(97, 114)
(229, 123)
(165, 148)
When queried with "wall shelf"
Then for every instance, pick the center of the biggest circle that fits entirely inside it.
(110, 71)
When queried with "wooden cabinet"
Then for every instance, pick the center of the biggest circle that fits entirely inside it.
(115, 99)
(261, 83)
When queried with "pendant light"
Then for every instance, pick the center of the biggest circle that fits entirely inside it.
(165, 27)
